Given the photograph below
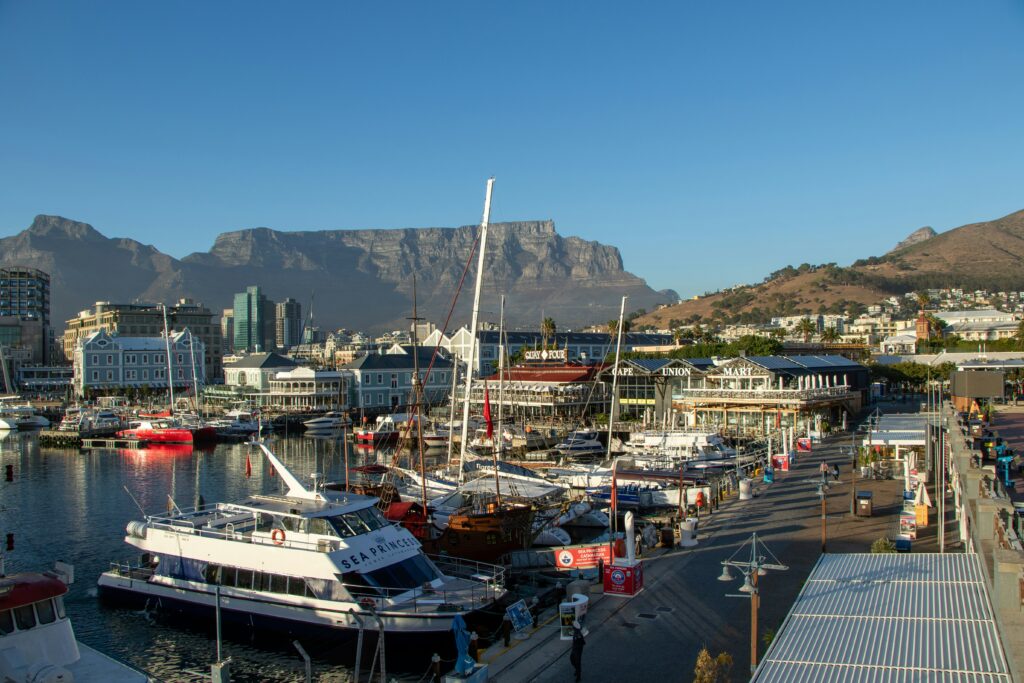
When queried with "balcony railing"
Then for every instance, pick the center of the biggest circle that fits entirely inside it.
(823, 393)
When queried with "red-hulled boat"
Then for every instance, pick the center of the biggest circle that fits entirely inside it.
(158, 432)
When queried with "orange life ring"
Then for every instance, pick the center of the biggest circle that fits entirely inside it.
(700, 499)
(277, 536)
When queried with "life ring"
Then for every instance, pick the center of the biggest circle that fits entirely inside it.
(700, 499)
(277, 536)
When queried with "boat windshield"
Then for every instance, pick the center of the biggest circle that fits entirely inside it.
(412, 572)
(350, 523)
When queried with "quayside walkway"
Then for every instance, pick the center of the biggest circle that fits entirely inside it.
(658, 634)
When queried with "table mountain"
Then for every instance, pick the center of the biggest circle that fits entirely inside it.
(362, 278)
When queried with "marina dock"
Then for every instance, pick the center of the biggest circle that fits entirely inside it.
(684, 607)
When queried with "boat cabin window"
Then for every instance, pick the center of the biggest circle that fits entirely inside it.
(319, 525)
(409, 573)
(6, 622)
(59, 602)
(244, 579)
(296, 524)
(45, 612)
(24, 617)
(254, 580)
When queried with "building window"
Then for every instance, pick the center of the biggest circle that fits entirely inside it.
(380, 399)
(380, 378)
(145, 374)
(95, 375)
(110, 359)
(394, 380)
(110, 375)
(145, 359)
(95, 360)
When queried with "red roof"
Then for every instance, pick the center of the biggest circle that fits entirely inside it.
(17, 590)
(558, 374)
(399, 511)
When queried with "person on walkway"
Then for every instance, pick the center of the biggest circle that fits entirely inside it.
(835, 472)
(576, 656)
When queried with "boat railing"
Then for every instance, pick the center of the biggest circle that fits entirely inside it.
(481, 585)
(132, 571)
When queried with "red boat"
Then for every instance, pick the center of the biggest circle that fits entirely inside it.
(386, 430)
(158, 432)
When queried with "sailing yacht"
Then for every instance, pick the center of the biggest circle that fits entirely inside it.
(306, 559)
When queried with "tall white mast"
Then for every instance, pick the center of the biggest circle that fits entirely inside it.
(167, 343)
(472, 330)
(615, 377)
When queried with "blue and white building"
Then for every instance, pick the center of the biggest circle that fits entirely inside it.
(105, 362)
(382, 382)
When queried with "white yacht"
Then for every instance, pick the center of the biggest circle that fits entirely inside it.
(581, 444)
(37, 642)
(330, 420)
(308, 558)
(684, 444)
(21, 416)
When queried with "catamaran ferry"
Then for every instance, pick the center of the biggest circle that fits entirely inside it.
(309, 558)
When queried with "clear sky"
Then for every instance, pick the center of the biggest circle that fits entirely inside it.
(712, 142)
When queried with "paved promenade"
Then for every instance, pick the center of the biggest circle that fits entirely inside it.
(657, 635)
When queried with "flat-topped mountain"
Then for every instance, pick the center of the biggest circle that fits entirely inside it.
(361, 278)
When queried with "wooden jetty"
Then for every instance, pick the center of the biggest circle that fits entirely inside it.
(55, 437)
(113, 442)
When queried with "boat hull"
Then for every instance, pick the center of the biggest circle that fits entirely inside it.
(158, 435)
(260, 612)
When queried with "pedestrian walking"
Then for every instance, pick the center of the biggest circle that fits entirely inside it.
(576, 656)
(835, 472)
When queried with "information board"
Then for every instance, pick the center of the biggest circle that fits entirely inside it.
(520, 615)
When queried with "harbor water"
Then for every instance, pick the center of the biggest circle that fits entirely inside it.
(71, 505)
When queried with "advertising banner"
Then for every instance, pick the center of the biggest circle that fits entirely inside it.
(803, 445)
(582, 556)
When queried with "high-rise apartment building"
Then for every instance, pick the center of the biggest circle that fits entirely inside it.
(289, 323)
(25, 307)
(227, 331)
(147, 320)
(255, 321)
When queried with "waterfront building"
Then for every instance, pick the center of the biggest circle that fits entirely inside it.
(382, 381)
(755, 394)
(546, 390)
(645, 385)
(147, 320)
(105, 362)
(306, 389)
(45, 379)
(288, 323)
(254, 320)
(579, 346)
(247, 376)
(25, 311)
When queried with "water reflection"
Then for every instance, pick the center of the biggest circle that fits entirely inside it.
(74, 505)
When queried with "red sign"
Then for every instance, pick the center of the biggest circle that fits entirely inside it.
(781, 462)
(803, 445)
(624, 580)
(582, 556)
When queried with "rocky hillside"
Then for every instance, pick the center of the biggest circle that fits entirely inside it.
(988, 255)
(362, 278)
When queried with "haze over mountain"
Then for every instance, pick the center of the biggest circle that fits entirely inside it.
(362, 279)
(987, 255)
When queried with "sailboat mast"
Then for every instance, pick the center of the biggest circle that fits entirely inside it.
(472, 330)
(417, 392)
(195, 379)
(615, 376)
(501, 398)
(167, 343)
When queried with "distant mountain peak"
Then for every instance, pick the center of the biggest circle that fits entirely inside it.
(58, 226)
(919, 235)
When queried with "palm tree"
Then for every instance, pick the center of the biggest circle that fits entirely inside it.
(806, 328)
(830, 335)
(547, 330)
(613, 327)
(1020, 334)
(922, 300)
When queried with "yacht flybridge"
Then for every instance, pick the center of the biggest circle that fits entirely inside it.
(308, 558)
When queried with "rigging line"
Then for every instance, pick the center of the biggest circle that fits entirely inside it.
(444, 330)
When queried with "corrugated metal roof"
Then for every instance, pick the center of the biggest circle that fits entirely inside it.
(889, 618)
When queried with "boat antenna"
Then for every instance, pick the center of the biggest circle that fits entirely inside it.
(471, 358)
(134, 500)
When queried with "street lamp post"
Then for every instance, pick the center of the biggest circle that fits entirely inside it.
(756, 565)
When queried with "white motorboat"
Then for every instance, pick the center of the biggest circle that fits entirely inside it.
(37, 641)
(309, 558)
(21, 416)
(90, 421)
(684, 444)
(329, 420)
(580, 444)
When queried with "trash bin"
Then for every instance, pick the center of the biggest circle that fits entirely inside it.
(687, 532)
(769, 475)
(864, 504)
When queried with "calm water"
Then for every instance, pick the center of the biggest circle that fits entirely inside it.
(71, 505)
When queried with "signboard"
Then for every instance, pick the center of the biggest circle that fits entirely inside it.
(520, 615)
(582, 556)
(547, 354)
(803, 445)
(908, 524)
(568, 612)
(624, 580)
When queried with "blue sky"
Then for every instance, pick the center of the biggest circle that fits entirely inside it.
(711, 142)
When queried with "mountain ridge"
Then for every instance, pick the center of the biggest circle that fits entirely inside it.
(361, 278)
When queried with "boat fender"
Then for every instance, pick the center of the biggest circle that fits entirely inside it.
(136, 529)
(277, 536)
(700, 499)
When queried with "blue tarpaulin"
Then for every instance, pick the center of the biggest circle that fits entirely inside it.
(463, 662)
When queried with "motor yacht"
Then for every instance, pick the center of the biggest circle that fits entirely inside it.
(306, 558)
(330, 420)
(385, 430)
(37, 641)
(21, 416)
(580, 444)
